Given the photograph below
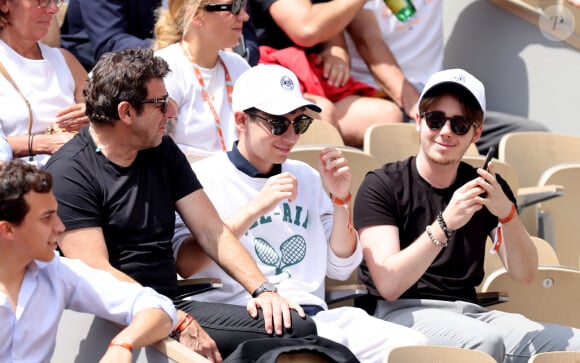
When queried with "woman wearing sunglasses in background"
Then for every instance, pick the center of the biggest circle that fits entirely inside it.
(191, 36)
(40, 86)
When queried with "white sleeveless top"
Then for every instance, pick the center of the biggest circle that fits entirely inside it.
(48, 85)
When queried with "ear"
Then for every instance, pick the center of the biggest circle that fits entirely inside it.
(477, 134)
(6, 230)
(241, 120)
(418, 122)
(126, 112)
(4, 6)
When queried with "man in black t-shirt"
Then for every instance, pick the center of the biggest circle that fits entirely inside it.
(119, 183)
(423, 224)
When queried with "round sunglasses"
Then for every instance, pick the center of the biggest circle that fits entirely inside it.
(234, 7)
(437, 119)
(281, 124)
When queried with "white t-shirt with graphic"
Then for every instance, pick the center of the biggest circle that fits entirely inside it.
(290, 244)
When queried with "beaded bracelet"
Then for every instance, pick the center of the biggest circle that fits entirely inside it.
(433, 239)
(448, 232)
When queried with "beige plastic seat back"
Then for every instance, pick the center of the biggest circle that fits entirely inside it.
(531, 153)
(555, 357)
(359, 162)
(321, 133)
(561, 216)
(436, 353)
(546, 257)
(393, 142)
(552, 296)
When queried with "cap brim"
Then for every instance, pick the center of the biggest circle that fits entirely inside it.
(282, 107)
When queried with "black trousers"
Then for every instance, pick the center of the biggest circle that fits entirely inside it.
(230, 325)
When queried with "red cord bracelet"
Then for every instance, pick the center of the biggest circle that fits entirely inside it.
(510, 216)
(127, 346)
(339, 201)
(184, 324)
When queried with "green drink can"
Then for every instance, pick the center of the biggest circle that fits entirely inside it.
(403, 9)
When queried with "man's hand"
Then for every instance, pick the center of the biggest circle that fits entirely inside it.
(276, 311)
(495, 199)
(463, 204)
(195, 338)
(335, 172)
(336, 65)
(277, 188)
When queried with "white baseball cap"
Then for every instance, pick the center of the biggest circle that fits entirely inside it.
(459, 77)
(270, 88)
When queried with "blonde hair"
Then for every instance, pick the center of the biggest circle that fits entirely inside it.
(173, 22)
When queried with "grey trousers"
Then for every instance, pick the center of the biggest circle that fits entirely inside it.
(505, 336)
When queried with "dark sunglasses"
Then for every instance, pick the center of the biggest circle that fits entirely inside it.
(234, 7)
(437, 119)
(281, 124)
(164, 101)
(46, 3)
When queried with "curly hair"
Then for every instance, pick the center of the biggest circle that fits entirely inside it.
(16, 179)
(121, 76)
(173, 21)
(469, 104)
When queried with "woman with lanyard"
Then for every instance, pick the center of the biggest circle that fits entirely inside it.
(40, 86)
(191, 36)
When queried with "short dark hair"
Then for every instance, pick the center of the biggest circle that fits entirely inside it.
(471, 108)
(121, 76)
(16, 179)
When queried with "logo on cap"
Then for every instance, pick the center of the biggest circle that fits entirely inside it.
(459, 78)
(286, 83)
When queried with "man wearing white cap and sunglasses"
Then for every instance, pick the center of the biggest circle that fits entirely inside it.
(423, 224)
(280, 211)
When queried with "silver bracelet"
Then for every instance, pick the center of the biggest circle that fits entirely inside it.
(433, 239)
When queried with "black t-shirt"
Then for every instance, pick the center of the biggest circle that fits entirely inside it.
(134, 206)
(267, 31)
(397, 195)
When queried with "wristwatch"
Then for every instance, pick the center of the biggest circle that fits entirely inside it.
(265, 287)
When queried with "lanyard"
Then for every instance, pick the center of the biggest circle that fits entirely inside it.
(205, 94)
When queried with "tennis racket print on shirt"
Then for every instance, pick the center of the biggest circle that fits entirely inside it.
(292, 251)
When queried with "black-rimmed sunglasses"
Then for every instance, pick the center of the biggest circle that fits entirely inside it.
(281, 124)
(164, 101)
(45, 3)
(234, 7)
(437, 119)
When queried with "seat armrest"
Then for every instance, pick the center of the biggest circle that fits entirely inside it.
(189, 287)
(531, 195)
(178, 352)
(491, 298)
(338, 293)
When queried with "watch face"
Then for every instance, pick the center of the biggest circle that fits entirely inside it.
(265, 287)
(270, 287)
